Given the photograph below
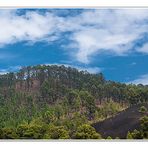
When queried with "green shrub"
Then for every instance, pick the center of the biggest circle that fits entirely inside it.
(136, 134)
(109, 137)
(30, 131)
(129, 135)
(143, 109)
(8, 133)
(144, 126)
(86, 131)
(56, 132)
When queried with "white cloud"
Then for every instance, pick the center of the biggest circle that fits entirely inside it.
(91, 32)
(143, 49)
(141, 80)
(93, 70)
(9, 69)
(2, 72)
(113, 31)
(29, 27)
(93, 41)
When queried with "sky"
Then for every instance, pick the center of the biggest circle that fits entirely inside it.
(111, 41)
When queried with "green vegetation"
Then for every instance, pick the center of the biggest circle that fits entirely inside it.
(143, 109)
(86, 132)
(109, 138)
(142, 133)
(56, 102)
(129, 136)
(56, 132)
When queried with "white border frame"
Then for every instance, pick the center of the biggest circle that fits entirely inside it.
(74, 3)
(94, 4)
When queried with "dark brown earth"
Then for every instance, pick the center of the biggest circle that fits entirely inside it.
(118, 126)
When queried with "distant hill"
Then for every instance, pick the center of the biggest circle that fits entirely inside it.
(118, 126)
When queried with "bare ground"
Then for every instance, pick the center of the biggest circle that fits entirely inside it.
(118, 126)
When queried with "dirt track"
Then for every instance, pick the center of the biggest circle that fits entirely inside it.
(118, 126)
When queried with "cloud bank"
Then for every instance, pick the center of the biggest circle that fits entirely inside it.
(92, 32)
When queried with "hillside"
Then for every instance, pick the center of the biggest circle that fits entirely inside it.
(119, 125)
(40, 97)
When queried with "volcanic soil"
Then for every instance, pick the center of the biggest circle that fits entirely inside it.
(119, 125)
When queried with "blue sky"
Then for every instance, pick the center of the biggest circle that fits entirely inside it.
(111, 41)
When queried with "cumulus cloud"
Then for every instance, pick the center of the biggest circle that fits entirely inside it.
(111, 31)
(141, 80)
(143, 49)
(31, 26)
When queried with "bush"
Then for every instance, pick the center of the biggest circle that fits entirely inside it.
(56, 132)
(142, 133)
(129, 136)
(143, 109)
(144, 126)
(86, 131)
(109, 138)
(136, 134)
(30, 131)
(8, 133)
(74, 122)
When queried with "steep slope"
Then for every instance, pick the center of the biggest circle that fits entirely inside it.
(118, 126)
(34, 91)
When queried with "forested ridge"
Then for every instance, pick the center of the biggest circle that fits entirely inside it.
(58, 102)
